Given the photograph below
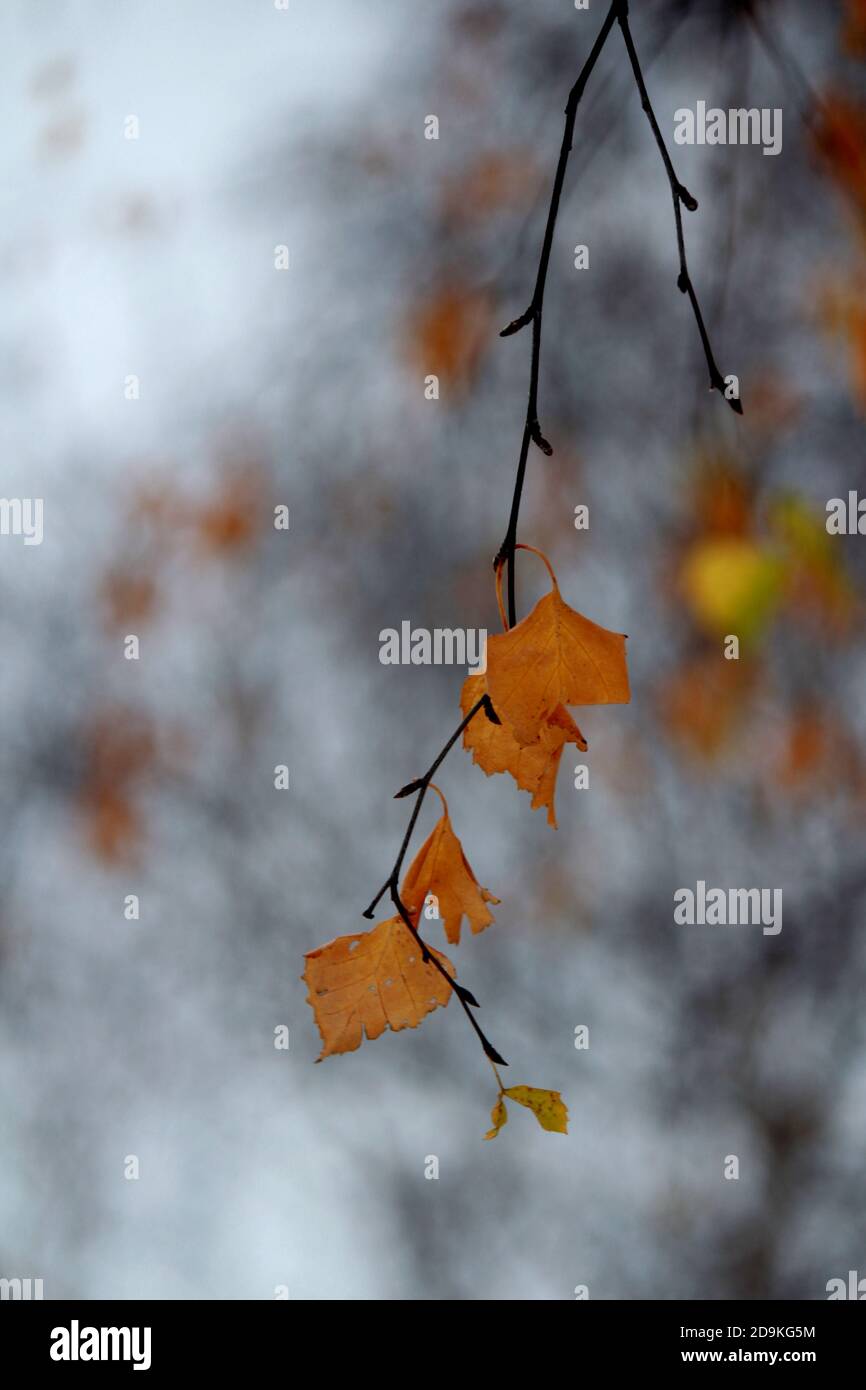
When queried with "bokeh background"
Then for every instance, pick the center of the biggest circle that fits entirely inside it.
(155, 257)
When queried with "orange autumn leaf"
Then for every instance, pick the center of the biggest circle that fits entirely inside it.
(722, 497)
(854, 34)
(554, 656)
(702, 703)
(448, 335)
(534, 767)
(113, 824)
(840, 139)
(129, 598)
(119, 750)
(441, 868)
(228, 521)
(370, 981)
(840, 308)
(490, 183)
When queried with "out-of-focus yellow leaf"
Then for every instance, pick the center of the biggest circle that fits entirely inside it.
(732, 585)
(817, 582)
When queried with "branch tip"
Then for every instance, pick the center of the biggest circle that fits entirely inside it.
(409, 788)
(466, 995)
(539, 440)
(490, 711)
(516, 324)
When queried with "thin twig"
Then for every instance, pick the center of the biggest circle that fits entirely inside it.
(532, 429)
(420, 787)
(681, 198)
(618, 12)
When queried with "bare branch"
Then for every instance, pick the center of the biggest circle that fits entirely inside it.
(618, 12)
(681, 196)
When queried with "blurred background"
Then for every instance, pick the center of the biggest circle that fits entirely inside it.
(154, 258)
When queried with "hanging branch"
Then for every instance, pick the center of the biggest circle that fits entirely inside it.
(532, 429)
(392, 883)
(681, 196)
(618, 12)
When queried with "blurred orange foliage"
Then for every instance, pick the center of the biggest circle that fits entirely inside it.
(854, 32)
(840, 139)
(491, 183)
(119, 747)
(448, 336)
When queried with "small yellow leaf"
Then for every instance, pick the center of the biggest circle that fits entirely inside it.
(499, 1116)
(548, 1107)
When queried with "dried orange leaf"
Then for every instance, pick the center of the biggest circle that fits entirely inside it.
(371, 981)
(553, 657)
(440, 867)
(534, 767)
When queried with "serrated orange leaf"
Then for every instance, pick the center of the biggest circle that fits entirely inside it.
(554, 656)
(370, 981)
(548, 1107)
(534, 767)
(440, 867)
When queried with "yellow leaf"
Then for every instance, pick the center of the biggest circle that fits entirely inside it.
(371, 981)
(548, 1107)
(440, 867)
(499, 1116)
(732, 585)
